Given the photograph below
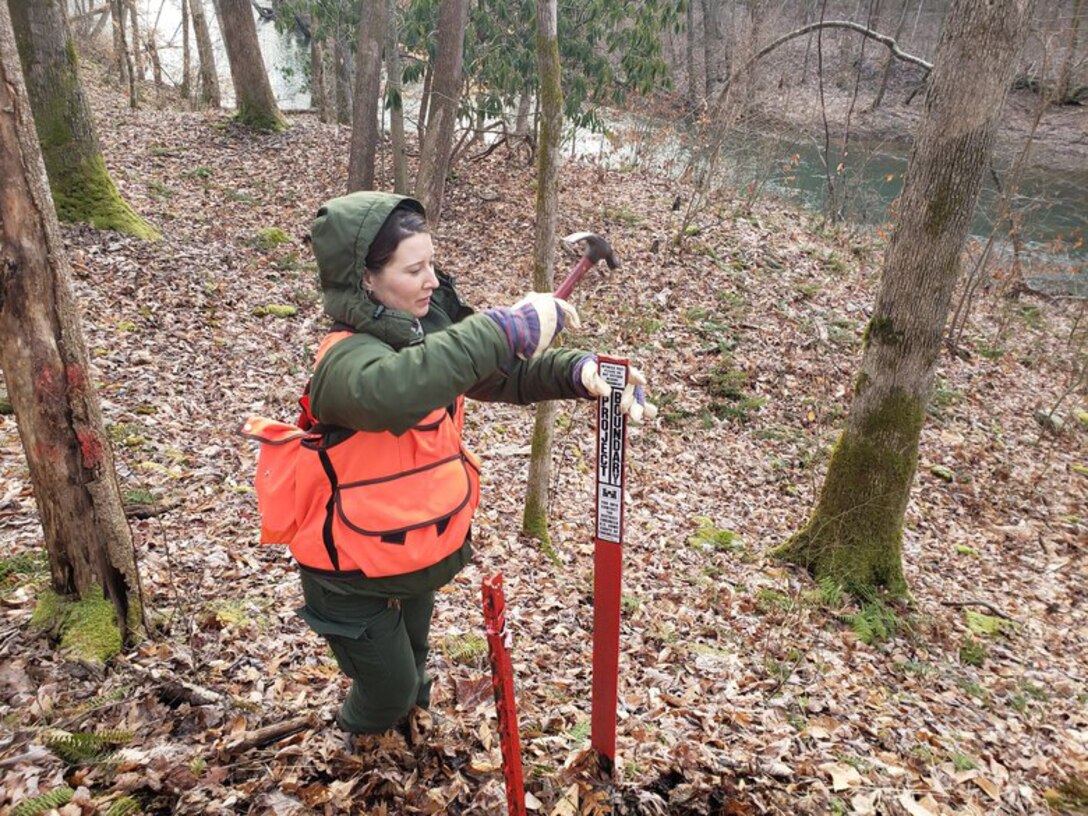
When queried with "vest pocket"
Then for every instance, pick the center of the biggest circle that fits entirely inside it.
(275, 481)
(406, 501)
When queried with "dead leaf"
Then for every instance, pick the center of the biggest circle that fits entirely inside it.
(843, 776)
(989, 787)
(927, 806)
(568, 802)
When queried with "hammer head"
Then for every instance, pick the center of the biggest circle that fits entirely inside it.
(596, 248)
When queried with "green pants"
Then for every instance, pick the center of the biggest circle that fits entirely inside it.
(381, 646)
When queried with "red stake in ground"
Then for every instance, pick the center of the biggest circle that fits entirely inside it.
(608, 561)
(502, 681)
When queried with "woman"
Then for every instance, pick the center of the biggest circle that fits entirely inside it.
(390, 523)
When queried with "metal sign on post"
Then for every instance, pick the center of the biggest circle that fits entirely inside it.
(502, 682)
(608, 560)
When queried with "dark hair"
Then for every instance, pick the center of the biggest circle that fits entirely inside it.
(400, 224)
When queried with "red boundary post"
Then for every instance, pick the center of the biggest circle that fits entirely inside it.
(608, 561)
(502, 682)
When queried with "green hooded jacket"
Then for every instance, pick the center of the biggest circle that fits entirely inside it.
(396, 369)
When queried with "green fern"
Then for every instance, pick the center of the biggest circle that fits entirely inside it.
(85, 748)
(124, 806)
(830, 592)
(579, 732)
(52, 800)
(468, 649)
(101, 701)
(874, 624)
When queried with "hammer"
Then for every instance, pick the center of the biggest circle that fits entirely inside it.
(597, 249)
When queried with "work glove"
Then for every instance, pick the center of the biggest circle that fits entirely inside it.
(589, 384)
(531, 324)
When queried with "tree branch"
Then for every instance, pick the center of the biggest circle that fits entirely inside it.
(989, 607)
(808, 29)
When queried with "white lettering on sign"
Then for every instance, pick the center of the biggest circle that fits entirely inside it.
(611, 437)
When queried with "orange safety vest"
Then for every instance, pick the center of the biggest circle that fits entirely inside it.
(362, 501)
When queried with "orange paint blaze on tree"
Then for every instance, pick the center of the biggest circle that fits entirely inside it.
(76, 376)
(47, 383)
(90, 445)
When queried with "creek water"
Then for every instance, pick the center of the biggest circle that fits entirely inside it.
(1050, 206)
(286, 55)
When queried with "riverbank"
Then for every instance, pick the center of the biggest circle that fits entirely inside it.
(1059, 141)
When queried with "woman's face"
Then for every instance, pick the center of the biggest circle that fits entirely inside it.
(407, 280)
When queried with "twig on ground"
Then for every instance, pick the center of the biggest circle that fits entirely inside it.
(270, 733)
(173, 687)
(984, 604)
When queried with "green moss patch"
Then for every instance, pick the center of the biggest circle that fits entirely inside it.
(87, 629)
(275, 310)
(711, 538)
(269, 238)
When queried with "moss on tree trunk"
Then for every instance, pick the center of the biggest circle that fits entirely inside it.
(81, 185)
(854, 536)
(260, 119)
(44, 362)
(534, 521)
(86, 193)
(85, 628)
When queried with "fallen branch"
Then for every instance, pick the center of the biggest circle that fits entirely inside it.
(883, 39)
(269, 734)
(173, 689)
(146, 511)
(993, 610)
(35, 754)
(87, 14)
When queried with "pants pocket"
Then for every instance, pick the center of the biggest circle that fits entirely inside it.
(364, 649)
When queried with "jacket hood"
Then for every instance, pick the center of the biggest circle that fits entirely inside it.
(342, 233)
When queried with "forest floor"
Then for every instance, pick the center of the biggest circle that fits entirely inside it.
(744, 688)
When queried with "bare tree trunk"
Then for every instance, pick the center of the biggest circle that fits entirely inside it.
(134, 38)
(49, 380)
(209, 77)
(365, 132)
(424, 103)
(1065, 74)
(694, 87)
(156, 64)
(343, 83)
(130, 68)
(521, 121)
(117, 12)
(82, 187)
(103, 18)
(255, 101)
(434, 159)
(394, 78)
(854, 536)
(186, 57)
(319, 92)
(535, 518)
(886, 70)
(810, 12)
(713, 47)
